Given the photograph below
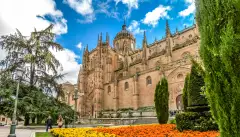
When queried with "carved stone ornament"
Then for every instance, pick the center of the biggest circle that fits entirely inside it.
(186, 43)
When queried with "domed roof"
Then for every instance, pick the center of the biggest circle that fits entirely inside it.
(124, 33)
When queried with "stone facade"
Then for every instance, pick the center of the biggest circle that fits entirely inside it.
(122, 76)
(68, 89)
(4, 120)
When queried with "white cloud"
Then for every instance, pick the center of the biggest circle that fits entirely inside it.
(134, 27)
(190, 9)
(79, 45)
(152, 18)
(68, 59)
(104, 7)
(83, 7)
(23, 16)
(87, 19)
(131, 4)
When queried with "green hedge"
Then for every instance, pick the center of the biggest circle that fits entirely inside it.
(195, 121)
(198, 108)
(147, 109)
(195, 83)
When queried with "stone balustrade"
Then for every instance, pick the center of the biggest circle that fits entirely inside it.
(114, 121)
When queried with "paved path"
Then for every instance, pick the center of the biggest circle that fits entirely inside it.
(4, 131)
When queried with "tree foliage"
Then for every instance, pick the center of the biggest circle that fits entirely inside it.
(32, 102)
(33, 53)
(185, 93)
(219, 27)
(161, 101)
(195, 83)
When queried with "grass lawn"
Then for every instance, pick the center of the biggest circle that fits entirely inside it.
(43, 134)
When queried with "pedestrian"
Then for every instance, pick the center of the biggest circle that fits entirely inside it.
(48, 123)
(60, 121)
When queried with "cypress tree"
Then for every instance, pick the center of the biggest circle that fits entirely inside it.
(161, 101)
(185, 93)
(195, 83)
(156, 99)
(219, 28)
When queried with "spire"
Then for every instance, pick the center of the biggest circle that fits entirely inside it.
(124, 26)
(107, 38)
(101, 37)
(168, 33)
(176, 30)
(87, 48)
(144, 39)
(98, 39)
(145, 35)
(155, 39)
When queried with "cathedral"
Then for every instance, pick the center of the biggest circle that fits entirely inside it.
(122, 76)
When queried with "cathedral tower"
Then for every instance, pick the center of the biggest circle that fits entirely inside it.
(124, 41)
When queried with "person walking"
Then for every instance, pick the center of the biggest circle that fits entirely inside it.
(48, 123)
(60, 121)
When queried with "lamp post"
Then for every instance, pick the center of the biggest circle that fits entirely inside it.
(19, 73)
(75, 99)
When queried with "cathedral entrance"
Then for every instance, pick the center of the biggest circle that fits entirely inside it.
(179, 102)
(92, 113)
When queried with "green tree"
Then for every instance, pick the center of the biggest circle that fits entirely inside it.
(33, 52)
(195, 83)
(185, 93)
(32, 103)
(219, 28)
(161, 101)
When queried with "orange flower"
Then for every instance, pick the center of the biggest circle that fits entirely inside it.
(156, 130)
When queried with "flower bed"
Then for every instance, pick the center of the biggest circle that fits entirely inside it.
(155, 130)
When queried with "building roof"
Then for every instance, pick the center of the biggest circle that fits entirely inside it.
(124, 33)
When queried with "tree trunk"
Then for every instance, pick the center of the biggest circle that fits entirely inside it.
(26, 121)
(33, 119)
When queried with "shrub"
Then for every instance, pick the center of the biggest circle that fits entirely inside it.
(195, 121)
(195, 83)
(161, 101)
(173, 121)
(185, 93)
(198, 108)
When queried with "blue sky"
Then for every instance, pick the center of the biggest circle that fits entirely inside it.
(78, 22)
(109, 17)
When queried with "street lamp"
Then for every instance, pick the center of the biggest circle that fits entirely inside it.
(75, 98)
(18, 75)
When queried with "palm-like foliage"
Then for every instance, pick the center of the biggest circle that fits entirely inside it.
(33, 53)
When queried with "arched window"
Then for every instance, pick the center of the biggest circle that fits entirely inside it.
(109, 89)
(126, 86)
(148, 80)
(179, 102)
(179, 76)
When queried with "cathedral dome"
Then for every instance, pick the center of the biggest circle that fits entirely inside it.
(124, 33)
